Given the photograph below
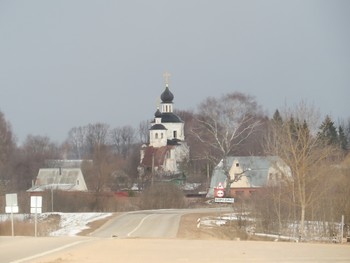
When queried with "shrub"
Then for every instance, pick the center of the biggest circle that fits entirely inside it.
(161, 196)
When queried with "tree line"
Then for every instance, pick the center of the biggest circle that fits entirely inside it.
(313, 146)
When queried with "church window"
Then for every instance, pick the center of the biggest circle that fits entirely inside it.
(156, 135)
(161, 135)
(175, 134)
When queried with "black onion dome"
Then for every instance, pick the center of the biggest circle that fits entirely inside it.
(167, 96)
(158, 114)
(158, 127)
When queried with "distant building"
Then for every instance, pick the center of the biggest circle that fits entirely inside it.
(64, 179)
(255, 172)
(167, 148)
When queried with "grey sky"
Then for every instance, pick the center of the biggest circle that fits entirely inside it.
(68, 63)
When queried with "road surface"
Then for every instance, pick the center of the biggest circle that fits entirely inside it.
(144, 224)
(150, 236)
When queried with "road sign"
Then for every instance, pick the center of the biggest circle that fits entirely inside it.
(36, 204)
(11, 200)
(35, 208)
(219, 191)
(11, 209)
(224, 200)
(11, 203)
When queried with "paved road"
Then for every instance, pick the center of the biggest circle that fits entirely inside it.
(22, 249)
(140, 224)
(148, 236)
(143, 224)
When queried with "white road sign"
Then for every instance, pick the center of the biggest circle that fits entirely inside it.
(224, 200)
(11, 200)
(11, 209)
(36, 204)
(11, 204)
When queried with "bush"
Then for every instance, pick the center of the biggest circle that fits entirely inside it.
(161, 196)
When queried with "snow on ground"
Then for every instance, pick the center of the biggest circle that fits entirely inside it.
(73, 223)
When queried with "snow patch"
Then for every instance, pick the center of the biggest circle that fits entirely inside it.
(73, 223)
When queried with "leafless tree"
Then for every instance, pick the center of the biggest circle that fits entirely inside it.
(122, 139)
(77, 141)
(295, 141)
(32, 156)
(223, 124)
(7, 148)
(143, 131)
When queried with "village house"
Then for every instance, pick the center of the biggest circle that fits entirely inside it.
(64, 179)
(254, 172)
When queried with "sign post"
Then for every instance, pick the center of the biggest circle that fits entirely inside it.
(11, 207)
(35, 207)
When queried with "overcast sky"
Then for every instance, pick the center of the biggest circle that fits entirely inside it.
(69, 63)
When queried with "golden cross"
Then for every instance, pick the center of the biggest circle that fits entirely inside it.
(166, 76)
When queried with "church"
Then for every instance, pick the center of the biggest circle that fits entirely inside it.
(166, 153)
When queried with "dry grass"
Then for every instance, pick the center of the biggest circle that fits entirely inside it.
(27, 226)
(188, 230)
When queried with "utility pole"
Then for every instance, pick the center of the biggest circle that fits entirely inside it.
(152, 178)
(341, 229)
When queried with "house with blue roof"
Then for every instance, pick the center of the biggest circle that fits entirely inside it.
(253, 172)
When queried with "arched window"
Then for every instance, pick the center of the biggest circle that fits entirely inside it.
(175, 134)
(156, 136)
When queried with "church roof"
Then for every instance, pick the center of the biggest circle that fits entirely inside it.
(170, 117)
(158, 114)
(158, 127)
(167, 96)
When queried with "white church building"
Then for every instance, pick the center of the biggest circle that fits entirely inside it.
(167, 149)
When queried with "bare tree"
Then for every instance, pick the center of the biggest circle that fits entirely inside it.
(223, 124)
(7, 148)
(122, 139)
(143, 131)
(77, 141)
(32, 156)
(295, 141)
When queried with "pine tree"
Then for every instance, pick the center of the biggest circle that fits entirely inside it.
(328, 133)
(277, 118)
(343, 142)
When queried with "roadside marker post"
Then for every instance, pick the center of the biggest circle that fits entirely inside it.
(11, 207)
(35, 207)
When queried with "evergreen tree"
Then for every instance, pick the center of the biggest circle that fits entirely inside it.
(277, 118)
(343, 142)
(328, 133)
